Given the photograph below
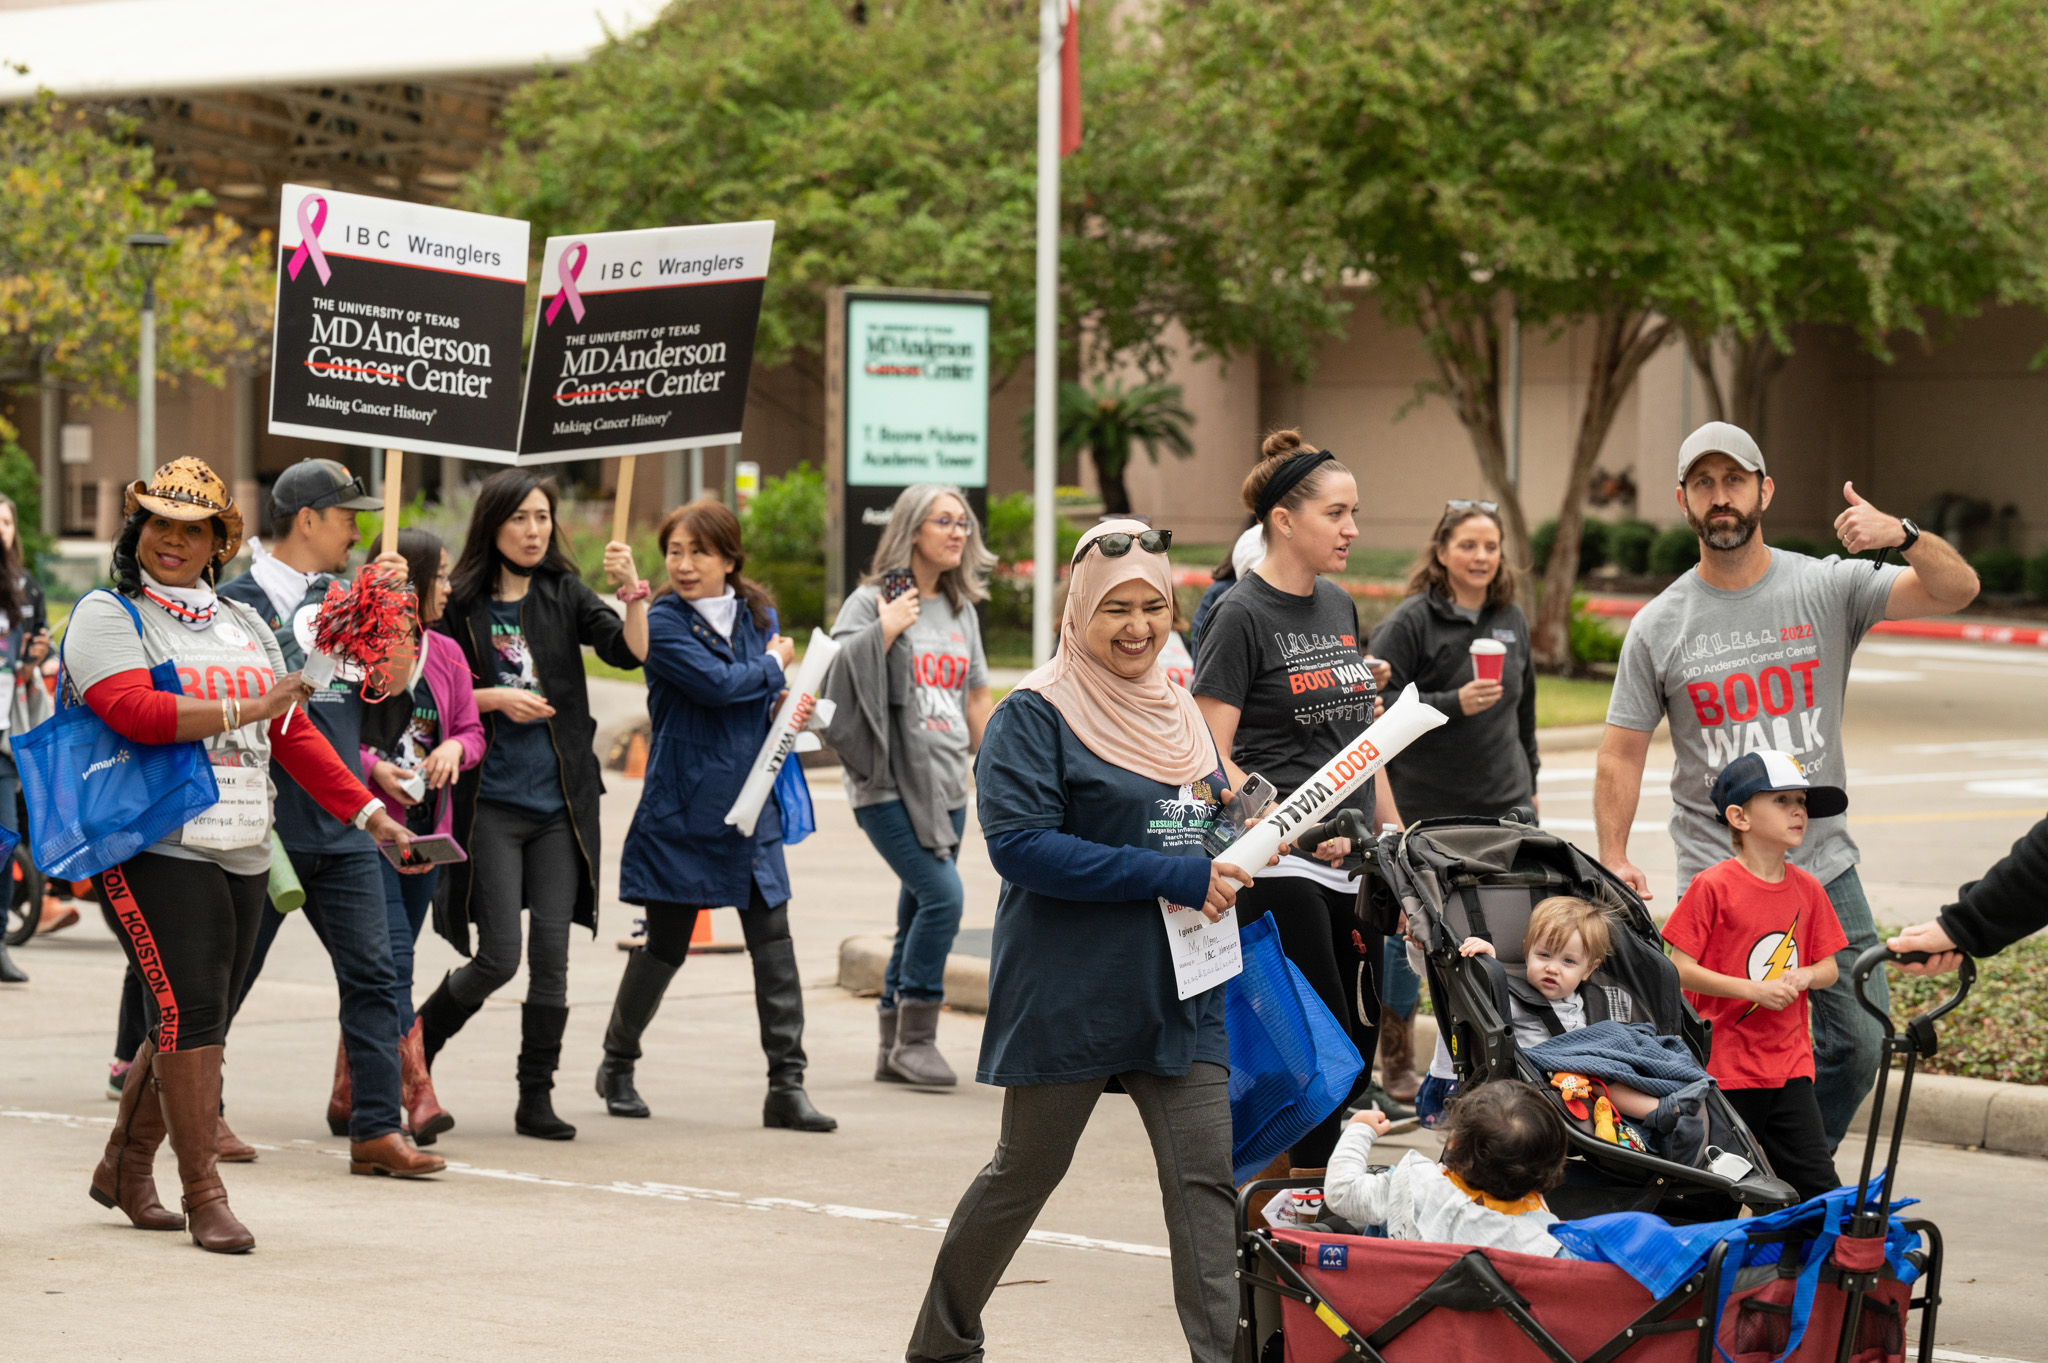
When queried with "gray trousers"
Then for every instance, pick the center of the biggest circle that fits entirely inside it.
(1188, 1122)
(521, 862)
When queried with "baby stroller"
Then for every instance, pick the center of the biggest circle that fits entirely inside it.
(1829, 1279)
(1457, 878)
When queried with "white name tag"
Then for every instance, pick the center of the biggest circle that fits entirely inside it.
(241, 818)
(1205, 954)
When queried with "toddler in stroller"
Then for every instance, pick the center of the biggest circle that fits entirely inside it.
(1504, 1148)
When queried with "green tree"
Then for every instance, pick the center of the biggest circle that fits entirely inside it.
(1107, 420)
(69, 304)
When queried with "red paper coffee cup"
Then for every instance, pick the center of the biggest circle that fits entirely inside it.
(1488, 656)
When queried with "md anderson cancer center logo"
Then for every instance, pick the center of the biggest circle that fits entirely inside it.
(1754, 689)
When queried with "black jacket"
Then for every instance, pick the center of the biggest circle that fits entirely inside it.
(559, 614)
(1479, 765)
(2010, 902)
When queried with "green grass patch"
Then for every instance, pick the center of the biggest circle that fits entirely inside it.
(1996, 1034)
(594, 666)
(1571, 700)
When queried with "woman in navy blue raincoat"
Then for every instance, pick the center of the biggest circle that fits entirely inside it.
(715, 669)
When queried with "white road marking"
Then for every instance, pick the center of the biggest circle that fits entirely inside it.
(1979, 654)
(2019, 790)
(1951, 1356)
(1982, 747)
(1588, 826)
(1858, 780)
(1880, 674)
(674, 1192)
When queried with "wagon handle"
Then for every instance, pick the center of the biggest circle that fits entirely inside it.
(1867, 965)
(1345, 823)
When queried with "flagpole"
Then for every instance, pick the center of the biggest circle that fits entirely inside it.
(1046, 357)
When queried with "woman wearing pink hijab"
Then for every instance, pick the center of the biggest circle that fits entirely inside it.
(1096, 781)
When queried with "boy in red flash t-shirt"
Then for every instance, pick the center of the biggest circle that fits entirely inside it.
(1741, 938)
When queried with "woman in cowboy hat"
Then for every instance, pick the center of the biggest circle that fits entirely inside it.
(188, 906)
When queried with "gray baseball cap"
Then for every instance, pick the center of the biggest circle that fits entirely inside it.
(319, 484)
(1718, 437)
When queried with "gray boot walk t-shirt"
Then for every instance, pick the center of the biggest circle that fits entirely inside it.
(1764, 667)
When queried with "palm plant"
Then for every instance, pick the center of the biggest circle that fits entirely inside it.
(1108, 420)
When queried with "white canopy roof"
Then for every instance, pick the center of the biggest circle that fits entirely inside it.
(114, 48)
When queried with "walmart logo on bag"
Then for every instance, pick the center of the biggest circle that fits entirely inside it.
(103, 764)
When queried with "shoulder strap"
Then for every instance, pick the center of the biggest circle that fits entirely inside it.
(66, 694)
(1475, 916)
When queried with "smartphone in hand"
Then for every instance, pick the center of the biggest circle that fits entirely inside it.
(1237, 813)
(895, 582)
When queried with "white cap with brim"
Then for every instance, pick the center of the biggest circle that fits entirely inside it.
(1718, 437)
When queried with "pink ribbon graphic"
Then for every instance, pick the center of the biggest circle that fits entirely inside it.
(568, 270)
(309, 240)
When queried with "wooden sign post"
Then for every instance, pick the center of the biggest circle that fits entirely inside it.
(394, 496)
(622, 504)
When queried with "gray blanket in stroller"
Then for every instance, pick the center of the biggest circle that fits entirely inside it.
(1625, 1053)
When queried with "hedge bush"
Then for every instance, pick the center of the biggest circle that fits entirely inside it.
(1592, 545)
(1674, 551)
(1996, 1034)
(2000, 569)
(1628, 545)
(1593, 639)
(2035, 580)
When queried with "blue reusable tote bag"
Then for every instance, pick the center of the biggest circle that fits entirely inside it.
(1291, 1063)
(95, 798)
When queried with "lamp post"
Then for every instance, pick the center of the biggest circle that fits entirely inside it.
(149, 248)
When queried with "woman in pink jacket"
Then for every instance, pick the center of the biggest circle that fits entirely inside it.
(442, 737)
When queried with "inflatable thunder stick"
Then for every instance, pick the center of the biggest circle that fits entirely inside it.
(790, 718)
(1405, 721)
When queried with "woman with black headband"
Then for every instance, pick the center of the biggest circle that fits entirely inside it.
(1283, 682)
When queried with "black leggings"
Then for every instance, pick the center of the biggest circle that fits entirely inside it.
(189, 929)
(1340, 958)
(669, 926)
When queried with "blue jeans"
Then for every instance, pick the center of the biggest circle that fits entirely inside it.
(345, 908)
(927, 909)
(1400, 987)
(406, 902)
(1848, 1043)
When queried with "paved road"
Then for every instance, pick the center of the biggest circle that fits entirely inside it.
(698, 1235)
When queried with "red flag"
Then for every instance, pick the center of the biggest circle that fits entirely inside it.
(1070, 82)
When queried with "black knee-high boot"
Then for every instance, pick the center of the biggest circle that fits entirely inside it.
(640, 991)
(540, 1054)
(779, 1000)
(441, 1017)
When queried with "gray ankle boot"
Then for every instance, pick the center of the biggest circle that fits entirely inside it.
(915, 1059)
(883, 1074)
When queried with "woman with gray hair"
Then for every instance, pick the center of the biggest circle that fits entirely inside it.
(912, 692)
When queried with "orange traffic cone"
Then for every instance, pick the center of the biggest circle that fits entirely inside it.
(636, 759)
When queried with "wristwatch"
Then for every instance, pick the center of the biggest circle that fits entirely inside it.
(1912, 534)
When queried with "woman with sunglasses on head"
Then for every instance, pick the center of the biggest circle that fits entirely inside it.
(1483, 763)
(1282, 679)
(188, 907)
(1095, 788)
(911, 686)
(527, 815)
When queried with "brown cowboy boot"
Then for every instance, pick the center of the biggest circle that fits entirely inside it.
(232, 1148)
(342, 1101)
(187, 1086)
(124, 1177)
(394, 1155)
(423, 1110)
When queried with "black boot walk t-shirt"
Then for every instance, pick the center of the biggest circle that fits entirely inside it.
(1294, 667)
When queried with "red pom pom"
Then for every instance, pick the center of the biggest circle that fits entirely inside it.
(369, 622)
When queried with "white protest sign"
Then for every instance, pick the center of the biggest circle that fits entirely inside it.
(790, 719)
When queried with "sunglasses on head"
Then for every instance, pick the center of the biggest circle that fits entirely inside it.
(334, 496)
(1467, 504)
(1117, 543)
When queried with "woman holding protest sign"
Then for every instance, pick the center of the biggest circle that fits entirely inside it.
(188, 907)
(1284, 684)
(1096, 784)
(715, 668)
(527, 814)
(911, 690)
